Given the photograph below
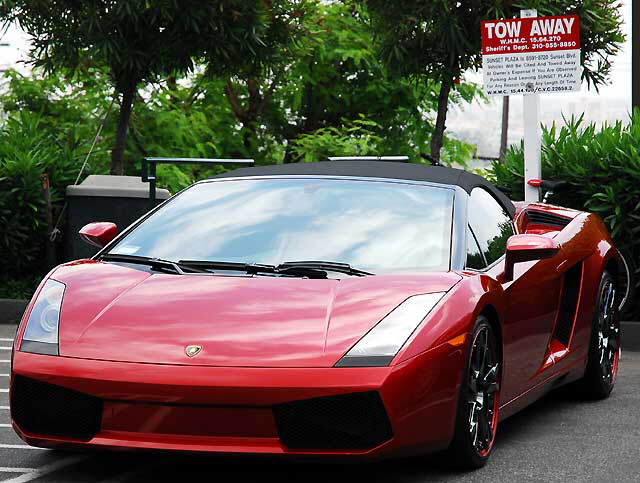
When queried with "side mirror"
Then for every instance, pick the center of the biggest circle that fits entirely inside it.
(526, 248)
(99, 234)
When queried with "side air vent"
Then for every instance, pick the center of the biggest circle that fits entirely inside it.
(46, 409)
(568, 304)
(346, 421)
(542, 218)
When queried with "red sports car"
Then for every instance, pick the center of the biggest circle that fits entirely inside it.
(346, 308)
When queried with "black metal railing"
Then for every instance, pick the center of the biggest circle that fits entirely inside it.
(149, 169)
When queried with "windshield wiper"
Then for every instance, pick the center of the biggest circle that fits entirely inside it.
(233, 266)
(324, 265)
(301, 268)
(156, 263)
(255, 268)
(309, 268)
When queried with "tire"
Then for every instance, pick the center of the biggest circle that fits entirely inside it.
(478, 401)
(604, 345)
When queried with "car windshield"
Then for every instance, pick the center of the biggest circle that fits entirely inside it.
(370, 225)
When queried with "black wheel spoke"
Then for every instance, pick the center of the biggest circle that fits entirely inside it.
(486, 435)
(488, 429)
(614, 344)
(484, 350)
(492, 388)
(473, 385)
(608, 332)
(482, 388)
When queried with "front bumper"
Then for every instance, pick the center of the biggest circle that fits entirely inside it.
(237, 410)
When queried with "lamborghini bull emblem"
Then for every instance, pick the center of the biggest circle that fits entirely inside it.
(193, 350)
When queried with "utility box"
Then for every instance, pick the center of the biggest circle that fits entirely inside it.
(119, 199)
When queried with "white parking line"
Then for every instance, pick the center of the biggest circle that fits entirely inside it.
(18, 446)
(46, 469)
(4, 339)
(3, 425)
(4, 390)
(8, 469)
(5, 347)
(4, 408)
(4, 361)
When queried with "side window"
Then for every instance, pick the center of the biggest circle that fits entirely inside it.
(475, 259)
(490, 223)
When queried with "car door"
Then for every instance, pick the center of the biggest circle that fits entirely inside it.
(531, 298)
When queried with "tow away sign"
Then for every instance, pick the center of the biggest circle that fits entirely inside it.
(531, 55)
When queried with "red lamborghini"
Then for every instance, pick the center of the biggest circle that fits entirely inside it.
(346, 308)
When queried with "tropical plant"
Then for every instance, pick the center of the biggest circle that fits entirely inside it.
(356, 138)
(69, 109)
(27, 152)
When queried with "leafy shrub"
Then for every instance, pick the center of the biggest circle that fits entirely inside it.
(357, 138)
(47, 126)
(363, 137)
(602, 165)
(18, 288)
(26, 153)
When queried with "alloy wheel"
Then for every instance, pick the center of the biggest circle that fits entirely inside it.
(608, 334)
(483, 391)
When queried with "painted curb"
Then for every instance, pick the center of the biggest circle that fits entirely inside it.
(630, 336)
(11, 310)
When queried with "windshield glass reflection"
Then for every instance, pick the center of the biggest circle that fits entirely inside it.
(371, 225)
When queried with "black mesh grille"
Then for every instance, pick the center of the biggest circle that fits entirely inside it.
(347, 421)
(49, 410)
(540, 218)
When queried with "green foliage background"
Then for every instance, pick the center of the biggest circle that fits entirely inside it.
(326, 90)
(328, 95)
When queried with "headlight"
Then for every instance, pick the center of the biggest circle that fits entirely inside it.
(41, 334)
(381, 344)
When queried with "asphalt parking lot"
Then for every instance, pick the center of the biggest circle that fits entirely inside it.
(556, 439)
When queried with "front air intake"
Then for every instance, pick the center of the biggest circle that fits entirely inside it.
(45, 409)
(568, 304)
(347, 421)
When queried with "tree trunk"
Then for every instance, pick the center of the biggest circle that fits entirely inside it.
(438, 131)
(128, 93)
(172, 86)
(234, 102)
(504, 134)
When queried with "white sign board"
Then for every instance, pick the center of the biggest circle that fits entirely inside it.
(531, 55)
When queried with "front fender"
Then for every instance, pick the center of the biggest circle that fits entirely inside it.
(455, 315)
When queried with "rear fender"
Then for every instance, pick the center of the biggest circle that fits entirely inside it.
(595, 264)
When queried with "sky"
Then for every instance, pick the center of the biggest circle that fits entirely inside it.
(479, 123)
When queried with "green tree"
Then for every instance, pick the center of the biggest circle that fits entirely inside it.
(142, 40)
(331, 78)
(440, 39)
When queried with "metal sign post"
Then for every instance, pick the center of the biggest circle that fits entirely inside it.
(532, 135)
(530, 55)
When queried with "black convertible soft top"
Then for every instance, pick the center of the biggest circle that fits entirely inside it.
(378, 169)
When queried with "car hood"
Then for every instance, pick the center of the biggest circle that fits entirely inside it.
(114, 312)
